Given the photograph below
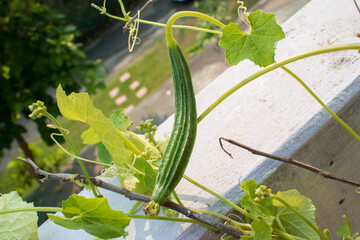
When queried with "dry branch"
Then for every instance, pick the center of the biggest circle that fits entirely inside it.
(291, 161)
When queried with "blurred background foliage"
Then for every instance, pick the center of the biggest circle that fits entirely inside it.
(37, 53)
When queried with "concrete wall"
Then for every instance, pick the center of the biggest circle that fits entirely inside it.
(273, 114)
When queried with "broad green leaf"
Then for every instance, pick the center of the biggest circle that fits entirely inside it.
(89, 137)
(292, 223)
(142, 180)
(19, 225)
(264, 209)
(94, 215)
(117, 117)
(258, 45)
(79, 106)
(261, 231)
(103, 154)
(133, 184)
(249, 187)
(146, 174)
(343, 230)
(120, 119)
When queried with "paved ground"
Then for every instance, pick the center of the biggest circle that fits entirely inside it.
(205, 67)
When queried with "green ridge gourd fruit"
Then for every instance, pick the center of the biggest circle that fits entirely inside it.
(182, 139)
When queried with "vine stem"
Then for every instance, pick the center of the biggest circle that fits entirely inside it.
(32, 209)
(177, 198)
(74, 149)
(122, 7)
(284, 234)
(321, 235)
(336, 117)
(135, 207)
(156, 23)
(233, 205)
(333, 48)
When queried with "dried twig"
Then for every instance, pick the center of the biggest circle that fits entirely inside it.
(291, 161)
(357, 6)
(133, 196)
(148, 3)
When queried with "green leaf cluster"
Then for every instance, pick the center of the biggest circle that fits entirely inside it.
(272, 217)
(38, 52)
(131, 154)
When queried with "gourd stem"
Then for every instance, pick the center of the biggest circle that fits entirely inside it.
(333, 48)
(339, 120)
(74, 149)
(174, 17)
(233, 205)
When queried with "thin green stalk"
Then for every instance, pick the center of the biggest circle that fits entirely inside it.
(177, 198)
(122, 8)
(128, 143)
(153, 149)
(307, 221)
(74, 149)
(339, 120)
(185, 220)
(32, 209)
(285, 235)
(348, 223)
(233, 205)
(327, 234)
(278, 221)
(135, 207)
(333, 48)
(156, 23)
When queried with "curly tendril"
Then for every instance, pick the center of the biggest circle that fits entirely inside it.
(133, 32)
(243, 9)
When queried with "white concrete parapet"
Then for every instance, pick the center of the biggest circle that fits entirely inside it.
(276, 115)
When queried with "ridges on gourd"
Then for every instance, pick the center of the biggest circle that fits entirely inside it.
(182, 139)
